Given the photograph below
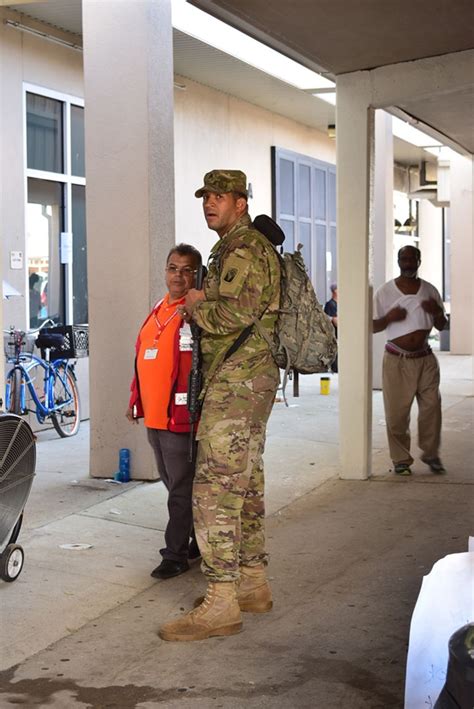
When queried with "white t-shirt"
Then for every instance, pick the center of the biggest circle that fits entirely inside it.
(389, 296)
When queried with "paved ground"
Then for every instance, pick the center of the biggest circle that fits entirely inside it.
(347, 560)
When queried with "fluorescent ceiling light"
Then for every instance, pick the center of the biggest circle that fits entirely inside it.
(442, 153)
(199, 24)
(329, 97)
(412, 135)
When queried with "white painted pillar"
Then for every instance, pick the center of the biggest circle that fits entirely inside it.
(462, 255)
(430, 230)
(2, 355)
(128, 70)
(382, 246)
(355, 137)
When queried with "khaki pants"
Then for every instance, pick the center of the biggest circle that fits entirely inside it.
(403, 379)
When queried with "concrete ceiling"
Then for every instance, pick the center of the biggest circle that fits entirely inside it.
(365, 37)
(338, 37)
(341, 36)
(64, 14)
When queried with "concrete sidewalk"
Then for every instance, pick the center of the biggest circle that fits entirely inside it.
(347, 560)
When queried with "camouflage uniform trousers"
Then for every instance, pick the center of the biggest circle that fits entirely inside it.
(228, 491)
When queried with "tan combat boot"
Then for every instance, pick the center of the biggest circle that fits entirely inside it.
(218, 614)
(254, 594)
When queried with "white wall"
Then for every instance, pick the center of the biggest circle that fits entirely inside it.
(462, 255)
(431, 243)
(215, 130)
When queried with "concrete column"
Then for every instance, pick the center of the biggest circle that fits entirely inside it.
(2, 356)
(355, 138)
(462, 255)
(128, 70)
(430, 229)
(382, 246)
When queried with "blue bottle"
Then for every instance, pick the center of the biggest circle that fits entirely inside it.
(124, 465)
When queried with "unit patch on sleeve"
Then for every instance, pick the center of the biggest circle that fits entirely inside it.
(233, 275)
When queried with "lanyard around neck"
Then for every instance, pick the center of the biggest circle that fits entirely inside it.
(162, 325)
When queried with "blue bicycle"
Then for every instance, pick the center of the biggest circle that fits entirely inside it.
(44, 385)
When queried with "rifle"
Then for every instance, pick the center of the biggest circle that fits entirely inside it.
(195, 375)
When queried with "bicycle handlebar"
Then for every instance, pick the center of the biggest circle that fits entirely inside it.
(47, 323)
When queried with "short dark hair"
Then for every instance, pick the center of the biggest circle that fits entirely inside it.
(413, 248)
(239, 195)
(186, 250)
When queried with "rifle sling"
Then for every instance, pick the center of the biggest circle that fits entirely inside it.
(239, 341)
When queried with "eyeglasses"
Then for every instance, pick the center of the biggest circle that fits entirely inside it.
(185, 271)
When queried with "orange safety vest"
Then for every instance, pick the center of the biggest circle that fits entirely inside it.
(178, 414)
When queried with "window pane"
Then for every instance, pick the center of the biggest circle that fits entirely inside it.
(287, 187)
(43, 227)
(320, 194)
(79, 255)
(44, 131)
(332, 196)
(77, 141)
(320, 285)
(289, 231)
(304, 237)
(304, 191)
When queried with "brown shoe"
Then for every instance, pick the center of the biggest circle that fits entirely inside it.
(254, 594)
(218, 614)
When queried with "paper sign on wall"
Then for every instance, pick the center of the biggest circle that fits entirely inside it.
(16, 260)
(66, 247)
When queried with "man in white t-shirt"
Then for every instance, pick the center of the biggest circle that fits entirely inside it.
(407, 308)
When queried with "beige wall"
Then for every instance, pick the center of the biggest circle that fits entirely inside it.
(216, 130)
(24, 58)
(29, 59)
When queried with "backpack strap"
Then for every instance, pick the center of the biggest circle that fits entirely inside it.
(271, 345)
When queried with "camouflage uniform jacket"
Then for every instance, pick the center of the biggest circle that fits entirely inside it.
(242, 284)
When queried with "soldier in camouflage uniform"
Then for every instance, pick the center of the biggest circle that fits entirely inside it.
(242, 285)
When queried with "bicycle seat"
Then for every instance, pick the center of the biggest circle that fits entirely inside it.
(46, 340)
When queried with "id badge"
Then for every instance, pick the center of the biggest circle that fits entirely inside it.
(150, 353)
(181, 398)
(185, 338)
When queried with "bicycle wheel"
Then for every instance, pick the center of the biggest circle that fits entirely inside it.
(66, 418)
(15, 392)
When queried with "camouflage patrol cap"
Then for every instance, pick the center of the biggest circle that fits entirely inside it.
(222, 181)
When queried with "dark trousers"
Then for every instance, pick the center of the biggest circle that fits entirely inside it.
(177, 473)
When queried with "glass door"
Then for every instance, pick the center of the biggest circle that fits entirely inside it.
(44, 223)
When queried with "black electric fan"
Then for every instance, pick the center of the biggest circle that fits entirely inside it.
(17, 470)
